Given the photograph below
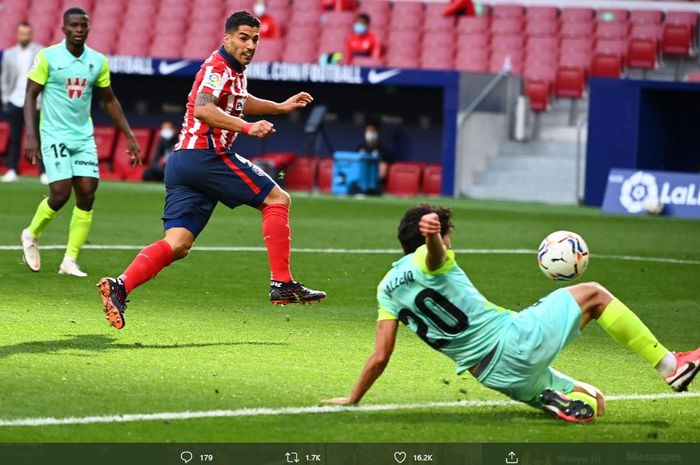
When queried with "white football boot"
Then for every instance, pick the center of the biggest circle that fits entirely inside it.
(70, 267)
(30, 251)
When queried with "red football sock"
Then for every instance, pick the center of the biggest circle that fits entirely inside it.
(278, 239)
(147, 264)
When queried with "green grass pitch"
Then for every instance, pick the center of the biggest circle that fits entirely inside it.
(203, 337)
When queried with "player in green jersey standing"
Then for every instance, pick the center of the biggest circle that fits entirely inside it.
(65, 74)
(507, 351)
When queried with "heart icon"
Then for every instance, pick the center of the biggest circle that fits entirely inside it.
(399, 457)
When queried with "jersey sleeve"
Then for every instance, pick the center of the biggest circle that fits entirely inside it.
(39, 72)
(213, 80)
(103, 79)
(421, 254)
(385, 307)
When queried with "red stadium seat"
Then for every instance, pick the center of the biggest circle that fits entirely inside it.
(646, 16)
(612, 15)
(434, 40)
(472, 41)
(439, 24)
(378, 11)
(439, 58)
(507, 26)
(693, 76)
(301, 173)
(432, 180)
(611, 30)
(508, 11)
(169, 46)
(542, 44)
(542, 28)
(121, 163)
(104, 141)
(607, 65)
(294, 53)
(572, 29)
(407, 38)
(579, 44)
(339, 19)
(647, 31)
(472, 24)
(689, 18)
(676, 40)
(269, 50)
(404, 179)
(514, 43)
(332, 40)
(500, 58)
(473, 60)
(4, 136)
(542, 13)
(324, 179)
(576, 14)
(618, 47)
(569, 82)
(642, 53)
(402, 61)
(576, 59)
(538, 93)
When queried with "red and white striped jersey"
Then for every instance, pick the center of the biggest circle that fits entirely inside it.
(224, 78)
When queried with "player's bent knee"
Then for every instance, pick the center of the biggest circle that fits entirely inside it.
(278, 196)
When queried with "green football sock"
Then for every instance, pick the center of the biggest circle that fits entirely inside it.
(79, 229)
(628, 330)
(43, 216)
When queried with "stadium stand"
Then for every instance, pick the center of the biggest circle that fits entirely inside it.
(301, 174)
(404, 179)
(324, 178)
(432, 180)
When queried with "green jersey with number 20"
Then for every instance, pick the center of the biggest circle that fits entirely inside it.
(442, 307)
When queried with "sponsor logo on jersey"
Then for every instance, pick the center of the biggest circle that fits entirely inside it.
(75, 87)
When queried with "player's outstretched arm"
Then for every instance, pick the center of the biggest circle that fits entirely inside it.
(32, 151)
(114, 109)
(206, 111)
(257, 106)
(375, 365)
(429, 227)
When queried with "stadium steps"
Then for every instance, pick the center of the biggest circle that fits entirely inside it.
(542, 171)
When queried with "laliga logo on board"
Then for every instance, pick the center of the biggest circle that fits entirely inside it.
(641, 190)
(636, 189)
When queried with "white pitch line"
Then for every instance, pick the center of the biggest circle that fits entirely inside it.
(679, 261)
(255, 412)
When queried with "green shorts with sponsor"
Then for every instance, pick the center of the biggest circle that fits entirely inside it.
(536, 335)
(65, 159)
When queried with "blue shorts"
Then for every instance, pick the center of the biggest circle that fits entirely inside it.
(533, 340)
(196, 180)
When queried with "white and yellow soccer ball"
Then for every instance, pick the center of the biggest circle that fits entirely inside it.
(563, 256)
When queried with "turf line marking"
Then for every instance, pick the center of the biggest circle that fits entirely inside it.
(256, 412)
(679, 261)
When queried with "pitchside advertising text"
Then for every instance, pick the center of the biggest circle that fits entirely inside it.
(632, 191)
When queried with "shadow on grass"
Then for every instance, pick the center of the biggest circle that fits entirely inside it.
(101, 343)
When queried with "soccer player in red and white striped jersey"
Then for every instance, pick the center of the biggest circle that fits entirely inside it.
(203, 170)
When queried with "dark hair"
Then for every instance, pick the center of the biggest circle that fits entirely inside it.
(409, 234)
(73, 11)
(24, 24)
(364, 17)
(241, 18)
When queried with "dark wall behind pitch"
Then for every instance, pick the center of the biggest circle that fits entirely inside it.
(413, 115)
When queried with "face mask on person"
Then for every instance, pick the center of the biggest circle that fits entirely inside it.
(259, 9)
(167, 133)
(359, 28)
(371, 137)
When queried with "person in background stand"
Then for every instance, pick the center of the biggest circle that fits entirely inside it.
(460, 8)
(372, 146)
(361, 42)
(16, 62)
(166, 143)
(269, 29)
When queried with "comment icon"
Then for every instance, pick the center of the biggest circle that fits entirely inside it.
(186, 456)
